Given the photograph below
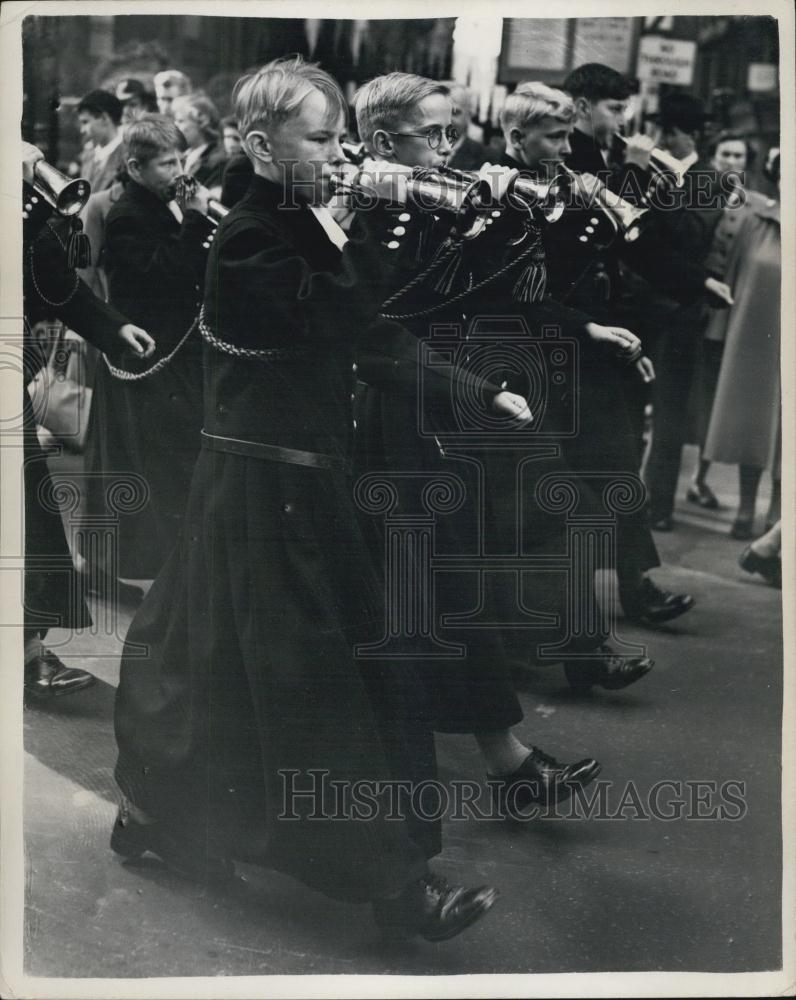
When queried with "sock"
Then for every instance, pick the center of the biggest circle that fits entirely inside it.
(502, 751)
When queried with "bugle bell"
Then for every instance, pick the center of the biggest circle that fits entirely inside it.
(623, 216)
(66, 195)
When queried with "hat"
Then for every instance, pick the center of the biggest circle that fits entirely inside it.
(682, 111)
(129, 88)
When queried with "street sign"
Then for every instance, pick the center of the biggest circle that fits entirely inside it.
(666, 60)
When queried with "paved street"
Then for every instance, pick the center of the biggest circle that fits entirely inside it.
(577, 894)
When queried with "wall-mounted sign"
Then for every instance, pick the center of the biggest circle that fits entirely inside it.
(538, 43)
(666, 60)
(606, 40)
(548, 48)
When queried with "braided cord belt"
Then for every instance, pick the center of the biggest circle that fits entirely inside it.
(125, 376)
(259, 354)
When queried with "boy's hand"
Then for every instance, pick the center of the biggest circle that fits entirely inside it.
(30, 155)
(137, 341)
(199, 199)
(385, 180)
(511, 405)
(638, 149)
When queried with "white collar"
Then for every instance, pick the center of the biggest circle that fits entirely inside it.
(329, 225)
(101, 153)
(193, 156)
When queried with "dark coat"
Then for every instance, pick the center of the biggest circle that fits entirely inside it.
(53, 291)
(258, 609)
(588, 277)
(415, 438)
(237, 177)
(150, 427)
(469, 156)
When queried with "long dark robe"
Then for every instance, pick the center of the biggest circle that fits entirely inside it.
(149, 428)
(239, 669)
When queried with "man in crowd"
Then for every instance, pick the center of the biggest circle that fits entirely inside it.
(169, 84)
(466, 152)
(100, 115)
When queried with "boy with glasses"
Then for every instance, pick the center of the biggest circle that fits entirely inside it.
(405, 120)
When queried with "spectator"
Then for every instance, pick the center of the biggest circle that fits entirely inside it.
(197, 118)
(136, 99)
(730, 154)
(466, 153)
(231, 136)
(99, 115)
(169, 84)
(745, 420)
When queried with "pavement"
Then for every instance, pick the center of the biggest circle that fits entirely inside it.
(629, 890)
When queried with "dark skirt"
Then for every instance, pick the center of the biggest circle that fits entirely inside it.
(239, 680)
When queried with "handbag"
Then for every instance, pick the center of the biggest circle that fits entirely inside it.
(60, 393)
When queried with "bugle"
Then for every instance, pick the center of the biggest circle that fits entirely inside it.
(623, 216)
(66, 195)
(663, 164)
(429, 191)
(184, 188)
(523, 192)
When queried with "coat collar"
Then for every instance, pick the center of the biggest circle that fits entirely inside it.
(146, 201)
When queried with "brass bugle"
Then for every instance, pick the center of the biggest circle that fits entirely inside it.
(623, 216)
(184, 187)
(523, 192)
(663, 163)
(66, 195)
(467, 200)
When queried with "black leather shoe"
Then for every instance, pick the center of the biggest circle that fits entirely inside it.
(648, 604)
(664, 523)
(769, 567)
(433, 909)
(607, 670)
(540, 780)
(131, 839)
(46, 677)
(703, 495)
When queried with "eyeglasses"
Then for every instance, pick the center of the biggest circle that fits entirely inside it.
(433, 136)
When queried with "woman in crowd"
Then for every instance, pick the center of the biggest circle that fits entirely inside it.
(731, 154)
(197, 118)
(744, 427)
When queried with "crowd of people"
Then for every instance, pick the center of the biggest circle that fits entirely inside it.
(261, 364)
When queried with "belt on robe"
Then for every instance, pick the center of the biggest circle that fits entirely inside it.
(272, 453)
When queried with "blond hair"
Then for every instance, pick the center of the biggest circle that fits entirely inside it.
(388, 101)
(531, 102)
(201, 110)
(274, 93)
